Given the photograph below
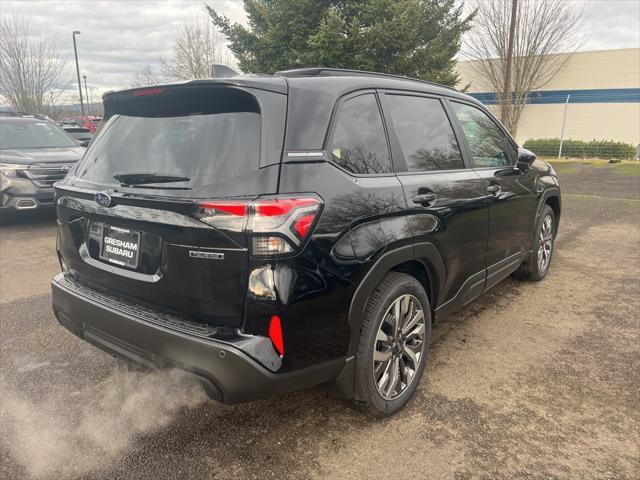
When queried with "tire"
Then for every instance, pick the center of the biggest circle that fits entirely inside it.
(397, 354)
(534, 269)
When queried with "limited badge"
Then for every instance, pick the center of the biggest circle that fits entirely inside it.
(207, 255)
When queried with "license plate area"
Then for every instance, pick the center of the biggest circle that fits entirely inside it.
(120, 246)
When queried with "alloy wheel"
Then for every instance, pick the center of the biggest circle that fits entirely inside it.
(545, 243)
(399, 345)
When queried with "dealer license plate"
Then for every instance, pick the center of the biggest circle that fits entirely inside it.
(120, 246)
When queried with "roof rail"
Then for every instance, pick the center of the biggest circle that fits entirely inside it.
(321, 71)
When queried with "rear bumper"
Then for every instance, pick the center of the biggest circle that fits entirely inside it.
(228, 373)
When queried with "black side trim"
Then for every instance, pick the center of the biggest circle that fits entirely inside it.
(430, 256)
(549, 192)
(468, 291)
(503, 268)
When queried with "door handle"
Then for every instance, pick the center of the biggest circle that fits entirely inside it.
(424, 198)
(494, 189)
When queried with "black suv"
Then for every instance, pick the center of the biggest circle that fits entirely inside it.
(34, 154)
(268, 233)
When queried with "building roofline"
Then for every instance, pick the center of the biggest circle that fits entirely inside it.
(581, 52)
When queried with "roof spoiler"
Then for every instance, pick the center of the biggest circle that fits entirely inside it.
(222, 71)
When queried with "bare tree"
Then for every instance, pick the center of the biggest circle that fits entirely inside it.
(197, 46)
(146, 76)
(32, 72)
(547, 32)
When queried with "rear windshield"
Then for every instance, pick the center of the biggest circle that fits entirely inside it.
(32, 134)
(206, 138)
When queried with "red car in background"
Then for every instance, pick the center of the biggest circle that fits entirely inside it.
(88, 121)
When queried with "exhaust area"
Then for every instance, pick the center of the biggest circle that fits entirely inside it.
(68, 435)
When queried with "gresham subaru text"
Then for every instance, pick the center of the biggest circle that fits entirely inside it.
(268, 233)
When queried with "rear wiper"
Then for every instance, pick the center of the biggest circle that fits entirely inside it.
(142, 178)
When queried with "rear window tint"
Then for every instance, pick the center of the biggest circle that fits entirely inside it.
(358, 142)
(206, 138)
(425, 133)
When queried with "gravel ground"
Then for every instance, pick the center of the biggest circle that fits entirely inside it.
(535, 381)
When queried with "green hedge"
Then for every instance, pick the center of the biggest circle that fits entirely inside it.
(549, 147)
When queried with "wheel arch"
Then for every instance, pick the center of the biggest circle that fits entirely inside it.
(418, 269)
(551, 197)
(423, 261)
(553, 200)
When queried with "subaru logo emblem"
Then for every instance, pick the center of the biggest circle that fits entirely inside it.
(103, 199)
(66, 168)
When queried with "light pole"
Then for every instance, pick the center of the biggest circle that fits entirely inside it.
(506, 90)
(75, 51)
(86, 95)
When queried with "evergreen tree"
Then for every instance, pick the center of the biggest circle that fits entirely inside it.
(416, 38)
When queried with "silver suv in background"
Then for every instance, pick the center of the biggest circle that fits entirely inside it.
(34, 154)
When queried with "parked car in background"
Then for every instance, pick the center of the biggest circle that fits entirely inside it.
(34, 154)
(268, 233)
(88, 121)
(82, 135)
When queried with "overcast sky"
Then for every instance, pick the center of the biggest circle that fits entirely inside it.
(120, 37)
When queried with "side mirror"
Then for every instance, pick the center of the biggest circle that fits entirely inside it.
(525, 158)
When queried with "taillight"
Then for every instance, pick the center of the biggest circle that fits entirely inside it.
(277, 224)
(303, 224)
(148, 91)
(275, 334)
(228, 215)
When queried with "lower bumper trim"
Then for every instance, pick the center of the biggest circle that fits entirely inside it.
(227, 373)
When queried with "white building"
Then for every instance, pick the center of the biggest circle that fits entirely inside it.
(603, 88)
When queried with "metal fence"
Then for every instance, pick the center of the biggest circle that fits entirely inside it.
(601, 124)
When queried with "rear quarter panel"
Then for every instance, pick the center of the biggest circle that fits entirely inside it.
(362, 218)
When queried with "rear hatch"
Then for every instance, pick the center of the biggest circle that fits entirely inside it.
(131, 213)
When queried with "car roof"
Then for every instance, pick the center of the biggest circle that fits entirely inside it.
(326, 79)
(313, 92)
(336, 81)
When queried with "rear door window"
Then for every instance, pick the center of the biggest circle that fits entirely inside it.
(358, 142)
(424, 133)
